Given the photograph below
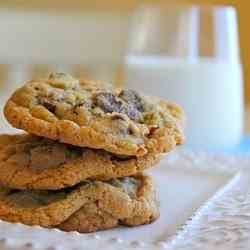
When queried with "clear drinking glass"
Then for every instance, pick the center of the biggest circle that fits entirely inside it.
(190, 55)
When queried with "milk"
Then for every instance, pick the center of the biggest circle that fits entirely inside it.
(210, 91)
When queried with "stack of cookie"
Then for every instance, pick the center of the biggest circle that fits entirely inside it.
(80, 165)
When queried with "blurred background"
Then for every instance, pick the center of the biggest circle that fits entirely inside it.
(196, 53)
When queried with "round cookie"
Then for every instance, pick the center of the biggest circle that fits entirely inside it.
(127, 201)
(94, 115)
(31, 162)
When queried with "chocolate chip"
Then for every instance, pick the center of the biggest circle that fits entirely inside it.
(109, 103)
(48, 103)
(84, 103)
(133, 113)
(132, 98)
(130, 103)
(130, 131)
(77, 106)
(47, 156)
(73, 151)
(152, 130)
(121, 157)
(135, 104)
(50, 106)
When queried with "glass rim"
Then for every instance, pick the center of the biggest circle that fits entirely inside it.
(223, 44)
(206, 6)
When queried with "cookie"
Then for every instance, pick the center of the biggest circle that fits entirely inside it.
(95, 115)
(31, 162)
(127, 201)
(130, 200)
(44, 208)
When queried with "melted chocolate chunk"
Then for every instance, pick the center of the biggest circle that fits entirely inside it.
(48, 104)
(128, 102)
(133, 113)
(47, 156)
(109, 103)
(133, 99)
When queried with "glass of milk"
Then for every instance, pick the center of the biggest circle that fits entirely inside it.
(190, 55)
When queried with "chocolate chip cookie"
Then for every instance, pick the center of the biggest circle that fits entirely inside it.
(87, 207)
(95, 115)
(32, 162)
(127, 201)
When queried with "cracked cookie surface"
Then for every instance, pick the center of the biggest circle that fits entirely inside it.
(87, 207)
(32, 162)
(94, 115)
(129, 201)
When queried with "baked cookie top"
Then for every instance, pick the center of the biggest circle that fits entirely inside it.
(94, 115)
(124, 198)
(32, 162)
